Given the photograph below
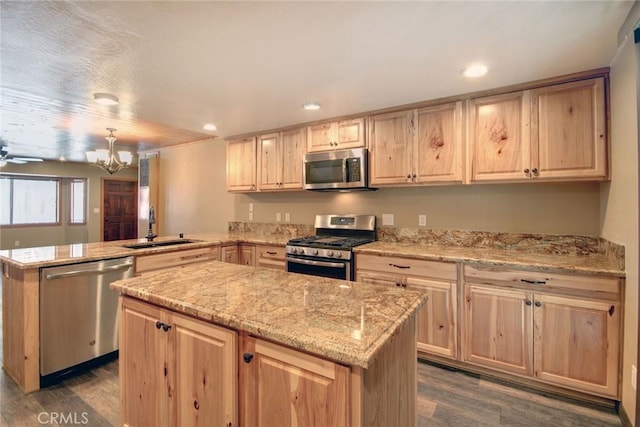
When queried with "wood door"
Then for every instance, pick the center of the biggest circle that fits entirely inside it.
(229, 254)
(437, 330)
(439, 144)
(497, 329)
(349, 134)
(248, 255)
(120, 209)
(241, 165)
(569, 130)
(576, 343)
(294, 147)
(269, 162)
(204, 377)
(499, 144)
(144, 393)
(320, 137)
(284, 387)
(390, 140)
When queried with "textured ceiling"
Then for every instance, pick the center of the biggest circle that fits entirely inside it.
(249, 66)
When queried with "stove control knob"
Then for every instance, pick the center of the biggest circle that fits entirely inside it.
(301, 251)
(314, 252)
(329, 253)
(338, 254)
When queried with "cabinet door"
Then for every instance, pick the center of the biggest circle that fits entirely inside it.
(576, 343)
(284, 387)
(229, 254)
(144, 394)
(248, 255)
(439, 145)
(390, 140)
(241, 164)
(204, 377)
(568, 130)
(271, 257)
(349, 134)
(437, 318)
(500, 137)
(294, 146)
(269, 162)
(497, 329)
(320, 137)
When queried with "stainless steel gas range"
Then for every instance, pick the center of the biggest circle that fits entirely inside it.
(329, 252)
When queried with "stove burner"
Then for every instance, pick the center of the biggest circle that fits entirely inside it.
(330, 241)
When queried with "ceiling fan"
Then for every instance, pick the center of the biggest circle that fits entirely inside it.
(4, 158)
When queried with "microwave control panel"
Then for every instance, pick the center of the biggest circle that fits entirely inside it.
(353, 170)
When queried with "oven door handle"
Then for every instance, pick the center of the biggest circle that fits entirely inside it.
(318, 263)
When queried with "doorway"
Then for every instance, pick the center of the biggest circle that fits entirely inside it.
(120, 209)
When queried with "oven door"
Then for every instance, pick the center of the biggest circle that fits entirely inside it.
(314, 267)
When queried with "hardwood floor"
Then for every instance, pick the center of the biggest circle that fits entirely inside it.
(445, 398)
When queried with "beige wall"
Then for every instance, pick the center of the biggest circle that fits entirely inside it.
(619, 205)
(62, 234)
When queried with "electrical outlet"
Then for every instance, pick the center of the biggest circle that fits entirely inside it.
(287, 217)
(387, 219)
(250, 216)
(17, 243)
(278, 217)
(96, 210)
(422, 220)
(634, 377)
(250, 207)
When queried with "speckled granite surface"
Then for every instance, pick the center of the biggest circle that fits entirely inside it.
(267, 228)
(345, 321)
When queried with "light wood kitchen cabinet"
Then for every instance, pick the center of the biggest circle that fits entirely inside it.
(229, 254)
(271, 257)
(436, 324)
(417, 146)
(241, 164)
(280, 160)
(175, 370)
(338, 135)
(283, 387)
(559, 329)
(168, 260)
(247, 255)
(556, 132)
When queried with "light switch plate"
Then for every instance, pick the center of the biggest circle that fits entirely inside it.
(250, 207)
(250, 216)
(422, 220)
(387, 219)
(278, 217)
(287, 217)
(96, 210)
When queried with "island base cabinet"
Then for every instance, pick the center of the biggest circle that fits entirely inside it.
(284, 387)
(174, 370)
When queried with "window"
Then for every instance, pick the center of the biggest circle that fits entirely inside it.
(29, 200)
(78, 201)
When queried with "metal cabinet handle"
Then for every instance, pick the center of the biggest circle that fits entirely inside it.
(159, 324)
(400, 266)
(535, 171)
(398, 284)
(166, 327)
(247, 357)
(271, 253)
(534, 282)
(409, 176)
(538, 304)
(528, 302)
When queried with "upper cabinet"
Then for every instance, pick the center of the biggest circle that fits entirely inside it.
(241, 164)
(555, 132)
(417, 146)
(336, 135)
(280, 160)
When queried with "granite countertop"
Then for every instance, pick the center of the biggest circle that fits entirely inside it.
(345, 321)
(45, 256)
(592, 264)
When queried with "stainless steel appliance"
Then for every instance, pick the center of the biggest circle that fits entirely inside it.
(336, 170)
(329, 252)
(78, 315)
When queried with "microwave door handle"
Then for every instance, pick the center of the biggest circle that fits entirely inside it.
(345, 164)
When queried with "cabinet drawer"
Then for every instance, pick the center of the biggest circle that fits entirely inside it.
(536, 280)
(271, 257)
(172, 259)
(407, 266)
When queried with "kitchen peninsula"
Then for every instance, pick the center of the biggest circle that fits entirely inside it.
(221, 342)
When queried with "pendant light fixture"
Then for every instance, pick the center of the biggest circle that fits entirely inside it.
(108, 159)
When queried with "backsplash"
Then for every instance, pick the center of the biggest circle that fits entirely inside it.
(284, 229)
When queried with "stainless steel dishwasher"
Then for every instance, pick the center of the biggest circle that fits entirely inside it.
(78, 315)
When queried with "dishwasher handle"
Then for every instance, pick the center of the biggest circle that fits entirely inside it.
(103, 270)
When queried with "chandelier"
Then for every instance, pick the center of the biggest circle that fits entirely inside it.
(108, 159)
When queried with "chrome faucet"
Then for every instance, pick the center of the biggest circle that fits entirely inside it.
(152, 220)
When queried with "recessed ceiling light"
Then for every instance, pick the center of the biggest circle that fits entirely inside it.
(105, 98)
(311, 106)
(209, 126)
(475, 70)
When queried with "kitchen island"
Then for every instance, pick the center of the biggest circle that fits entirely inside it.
(218, 344)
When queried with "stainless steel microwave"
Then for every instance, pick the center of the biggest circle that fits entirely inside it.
(336, 170)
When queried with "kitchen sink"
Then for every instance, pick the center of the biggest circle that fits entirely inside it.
(147, 245)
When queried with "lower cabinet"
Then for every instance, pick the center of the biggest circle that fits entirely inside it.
(271, 257)
(247, 255)
(229, 254)
(437, 332)
(174, 370)
(559, 329)
(283, 387)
